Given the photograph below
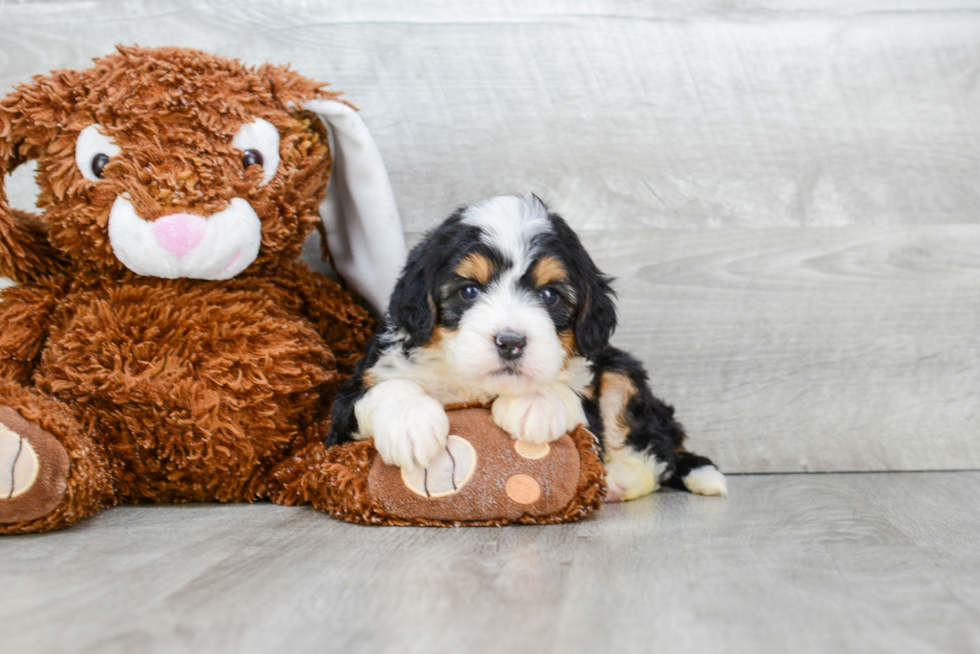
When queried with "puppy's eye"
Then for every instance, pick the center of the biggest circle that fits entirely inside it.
(98, 163)
(548, 296)
(251, 158)
(469, 292)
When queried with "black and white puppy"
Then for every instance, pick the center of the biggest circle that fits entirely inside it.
(502, 304)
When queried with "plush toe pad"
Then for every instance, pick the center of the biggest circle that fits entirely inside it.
(33, 469)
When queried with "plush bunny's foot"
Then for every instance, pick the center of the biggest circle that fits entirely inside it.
(33, 469)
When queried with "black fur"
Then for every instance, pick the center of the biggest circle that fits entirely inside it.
(653, 429)
(412, 308)
(596, 309)
(343, 422)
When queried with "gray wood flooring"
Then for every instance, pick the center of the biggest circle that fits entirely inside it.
(788, 563)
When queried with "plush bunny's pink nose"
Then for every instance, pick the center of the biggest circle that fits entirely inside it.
(179, 233)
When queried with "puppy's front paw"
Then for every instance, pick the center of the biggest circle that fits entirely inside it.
(534, 418)
(409, 434)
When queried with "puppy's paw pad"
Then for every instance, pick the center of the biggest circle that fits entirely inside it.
(411, 434)
(531, 418)
(706, 480)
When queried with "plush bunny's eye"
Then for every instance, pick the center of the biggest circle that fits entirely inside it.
(252, 158)
(93, 150)
(259, 143)
(98, 163)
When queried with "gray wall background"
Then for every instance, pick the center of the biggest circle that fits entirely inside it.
(786, 190)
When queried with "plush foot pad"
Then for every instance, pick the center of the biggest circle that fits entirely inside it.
(447, 474)
(33, 469)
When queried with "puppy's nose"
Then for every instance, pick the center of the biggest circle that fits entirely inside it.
(510, 345)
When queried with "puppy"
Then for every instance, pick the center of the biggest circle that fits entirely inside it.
(502, 304)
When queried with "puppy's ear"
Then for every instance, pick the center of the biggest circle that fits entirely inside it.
(596, 320)
(597, 317)
(364, 232)
(412, 310)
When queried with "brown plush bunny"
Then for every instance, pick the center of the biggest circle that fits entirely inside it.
(163, 343)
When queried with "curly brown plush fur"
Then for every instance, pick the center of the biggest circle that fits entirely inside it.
(169, 390)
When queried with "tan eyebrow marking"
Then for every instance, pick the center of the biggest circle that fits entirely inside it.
(548, 270)
(476, 267)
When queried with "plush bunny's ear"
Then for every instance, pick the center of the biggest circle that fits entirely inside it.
(25, 252)
(364, 232)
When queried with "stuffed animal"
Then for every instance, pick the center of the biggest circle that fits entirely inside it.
(163, 342)
(483, 477)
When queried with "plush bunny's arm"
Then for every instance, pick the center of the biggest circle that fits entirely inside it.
(364, 232)
(340, 320)
(25, 253)
(25, 313)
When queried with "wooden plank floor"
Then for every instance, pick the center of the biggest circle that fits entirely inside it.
(788, 563)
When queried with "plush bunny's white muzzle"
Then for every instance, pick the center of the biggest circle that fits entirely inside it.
(177, 245)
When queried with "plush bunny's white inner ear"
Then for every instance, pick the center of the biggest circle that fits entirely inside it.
(364, 232)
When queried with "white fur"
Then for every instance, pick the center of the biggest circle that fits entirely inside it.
(509, 224)
(436, 373)
(630, 475)
(541, 416)
(427, 368)
(230, 243)
(473, 353)
(409, 427)
(91, 142)
(260, 135)
(706, 480)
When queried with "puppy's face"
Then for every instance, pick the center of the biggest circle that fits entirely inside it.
(503, 294)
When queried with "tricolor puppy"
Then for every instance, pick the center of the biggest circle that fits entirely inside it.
(502, 304)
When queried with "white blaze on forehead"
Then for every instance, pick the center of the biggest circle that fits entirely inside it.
(509, 224)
